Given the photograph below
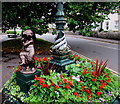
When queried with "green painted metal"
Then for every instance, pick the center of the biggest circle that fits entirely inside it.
(25, 80)
(60, 59)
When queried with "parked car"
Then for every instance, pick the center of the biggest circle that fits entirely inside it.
(12, 33)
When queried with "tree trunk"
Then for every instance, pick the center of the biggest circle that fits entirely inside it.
(34, 37)
(15, 30)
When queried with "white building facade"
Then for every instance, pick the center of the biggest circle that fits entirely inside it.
(112, 24)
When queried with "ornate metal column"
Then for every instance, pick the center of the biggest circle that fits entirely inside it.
(60, 49)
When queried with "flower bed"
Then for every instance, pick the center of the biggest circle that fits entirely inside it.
(87, 81)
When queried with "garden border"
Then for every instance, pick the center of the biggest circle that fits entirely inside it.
(75, 53)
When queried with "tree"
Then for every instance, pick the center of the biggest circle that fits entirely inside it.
(28, 15)
(84, 16)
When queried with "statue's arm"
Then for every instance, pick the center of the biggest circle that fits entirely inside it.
(28, 42)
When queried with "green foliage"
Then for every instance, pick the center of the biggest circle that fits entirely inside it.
(32, 15)
(12, 90)
(84, 16)
(37, 15)
(10, 32)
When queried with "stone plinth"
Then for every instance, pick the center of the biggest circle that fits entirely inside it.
(24, 80)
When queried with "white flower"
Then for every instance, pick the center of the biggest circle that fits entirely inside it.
(54, 77)
(102, 99)
(76, 78)
(58, 75)
(57, 93)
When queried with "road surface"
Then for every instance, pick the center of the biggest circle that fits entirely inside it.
(91, 49)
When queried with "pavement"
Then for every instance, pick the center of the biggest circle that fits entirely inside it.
(9, 62)
(95, 39)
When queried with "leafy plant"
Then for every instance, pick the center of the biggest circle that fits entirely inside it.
(99, 67)
(44, 65)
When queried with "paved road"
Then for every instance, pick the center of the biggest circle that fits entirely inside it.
(5, 38)
(91, 49)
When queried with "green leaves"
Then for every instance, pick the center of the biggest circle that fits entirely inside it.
(83, 16)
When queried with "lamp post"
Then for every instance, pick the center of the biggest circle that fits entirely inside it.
(60, 49)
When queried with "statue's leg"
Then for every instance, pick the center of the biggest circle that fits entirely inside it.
(22, 58)
(31, 60)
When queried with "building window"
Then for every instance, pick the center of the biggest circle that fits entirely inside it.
(107, 25)
(116, 24)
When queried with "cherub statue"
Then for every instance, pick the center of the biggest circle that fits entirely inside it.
(27, 54)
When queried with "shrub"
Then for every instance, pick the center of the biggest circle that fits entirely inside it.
(109, 35)
(10, 32)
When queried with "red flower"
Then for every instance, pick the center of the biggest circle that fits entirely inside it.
(38, 67)
(94, 74)
(39, 60)
(65, 80)
(101, 81)
(61, 76)
(78, 96)
(85, 71)
(101, 62)
(45, 59)
(19, 67)
(75, 93)
(70, 83)
(100, 87)
(56, 87)
(59, 83)
(52, 84)
(71, 77)
(45, 86)
(35, 85)
(78, 57)
(103, 84)
(93, 80)
(98, 93)
(88, 91)
(37, 78)
(67, 86)
(83, 88)
(35, 58)
(75, 56)
(41, 81)
(89, 97)
(80, 81)
(109, 80)
(51, 57)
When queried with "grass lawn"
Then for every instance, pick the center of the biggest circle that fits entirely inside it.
(15, 46)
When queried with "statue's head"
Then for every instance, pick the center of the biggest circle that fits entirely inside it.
(27, 34)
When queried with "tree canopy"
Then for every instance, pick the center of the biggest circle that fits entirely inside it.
(37, 15)
(84, 16)
(28, 15)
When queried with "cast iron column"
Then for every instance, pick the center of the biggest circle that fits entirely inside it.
(60, 49)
